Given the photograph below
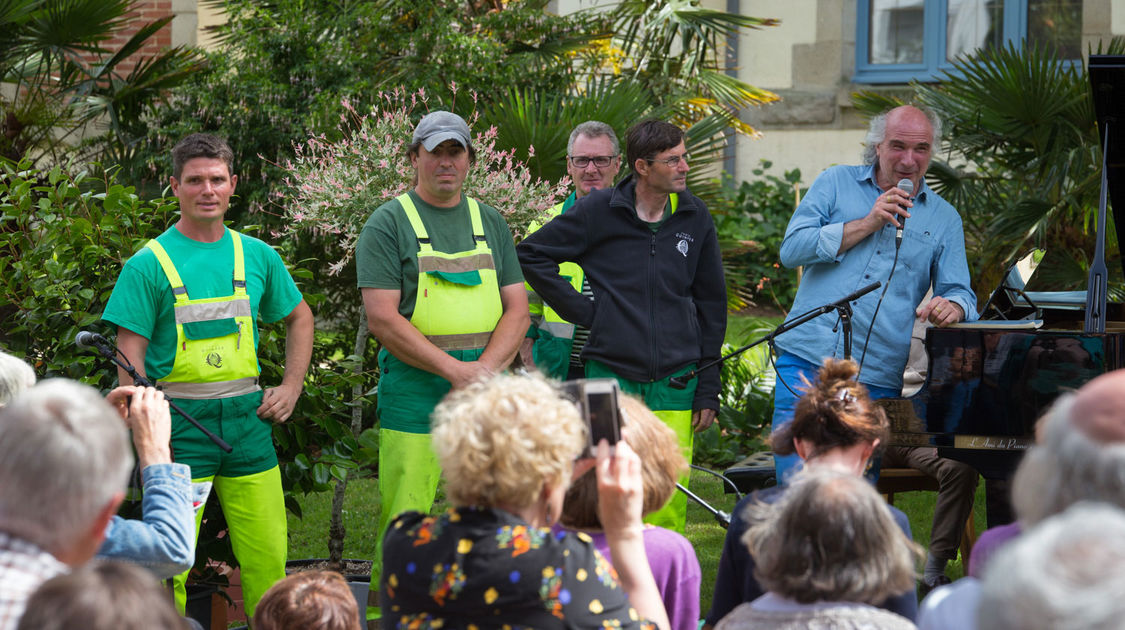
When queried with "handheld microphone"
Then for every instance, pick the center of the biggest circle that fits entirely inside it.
(87, 339)
(907, 187)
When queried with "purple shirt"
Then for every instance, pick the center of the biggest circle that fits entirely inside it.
(990, 541)
(676, 569)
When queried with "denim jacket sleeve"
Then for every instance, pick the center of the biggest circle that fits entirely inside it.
(164, 540)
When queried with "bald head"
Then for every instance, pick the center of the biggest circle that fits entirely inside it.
(1099, 408)
(1080, 454)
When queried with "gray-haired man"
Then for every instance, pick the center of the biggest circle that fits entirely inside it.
(554, 345)
(64, 461)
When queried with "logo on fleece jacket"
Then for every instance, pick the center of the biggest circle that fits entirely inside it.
(682, 246)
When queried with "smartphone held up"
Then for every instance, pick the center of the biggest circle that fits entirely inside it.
(597, 401)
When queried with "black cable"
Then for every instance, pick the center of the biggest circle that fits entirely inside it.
(871, 326)
(720, 476)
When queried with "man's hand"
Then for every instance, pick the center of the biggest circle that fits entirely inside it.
(888, 207)
(525, 353)
(278, 402)
(941, 312)
(702, 418)
(147, 416)
(469, 372)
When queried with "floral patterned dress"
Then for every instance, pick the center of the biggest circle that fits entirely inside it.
(486, 568)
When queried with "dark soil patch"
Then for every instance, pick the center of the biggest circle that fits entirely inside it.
(352, 569)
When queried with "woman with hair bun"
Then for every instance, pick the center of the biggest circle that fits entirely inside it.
(835, 426)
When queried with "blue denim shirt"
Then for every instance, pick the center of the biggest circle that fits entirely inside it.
(164, 541)
(933, 251)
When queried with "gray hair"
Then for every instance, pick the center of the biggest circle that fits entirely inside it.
(15, 377)
(1063, 574)
(593, 129)
(1066, 467)
(877, 132)
(101, 595)
(830, 537)
(64, 453)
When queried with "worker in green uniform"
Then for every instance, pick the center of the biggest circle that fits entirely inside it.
(444, 296)
(649, 250)
(554, 345)
(186, 308)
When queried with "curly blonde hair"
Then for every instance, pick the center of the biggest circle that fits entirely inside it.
(501, 441)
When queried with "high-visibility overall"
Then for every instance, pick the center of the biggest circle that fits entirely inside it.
(216, 358)
(215, 352)
(674, 408)
(554, 336)
(457, 307)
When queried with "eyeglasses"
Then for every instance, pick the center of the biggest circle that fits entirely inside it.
(673, 161)
(582, 161)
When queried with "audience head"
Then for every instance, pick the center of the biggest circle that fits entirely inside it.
(1064, 574)
(15, 377)
(64, 461)
(508, 442)
(662, 463)
(834, 414)
(102, 596)
(1080, 455)
(830, 537)
(310, 599)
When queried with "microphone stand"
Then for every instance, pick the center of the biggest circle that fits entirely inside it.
(723, 518)
(111, 354)
(842, 306)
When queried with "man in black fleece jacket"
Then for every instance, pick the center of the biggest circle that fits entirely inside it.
(651, 255)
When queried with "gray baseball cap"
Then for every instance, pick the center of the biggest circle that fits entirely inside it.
(437, 127)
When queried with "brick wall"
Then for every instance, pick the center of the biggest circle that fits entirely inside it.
(144, 12)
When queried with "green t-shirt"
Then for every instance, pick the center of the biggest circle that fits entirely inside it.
(142, 300)
(387, 251)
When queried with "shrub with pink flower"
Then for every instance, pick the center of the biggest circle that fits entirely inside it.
(332, 187)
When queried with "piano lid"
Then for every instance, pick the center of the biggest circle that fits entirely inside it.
(1107, 85)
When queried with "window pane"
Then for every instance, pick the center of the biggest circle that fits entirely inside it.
(897, 31)
(972, 25)
(1056, 23)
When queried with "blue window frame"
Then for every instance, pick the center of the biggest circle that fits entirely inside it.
(898, 41)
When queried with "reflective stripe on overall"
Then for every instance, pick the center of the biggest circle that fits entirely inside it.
(456, 308)
(449, 283)
(215, 365)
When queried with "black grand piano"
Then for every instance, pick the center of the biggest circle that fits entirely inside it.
(988, 383)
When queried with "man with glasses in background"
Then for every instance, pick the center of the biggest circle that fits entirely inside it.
(650, 254)
(554, 345)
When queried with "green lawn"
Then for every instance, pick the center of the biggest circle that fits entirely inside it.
(308, 536)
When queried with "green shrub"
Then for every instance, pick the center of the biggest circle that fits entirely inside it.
(751, 224)
(745, 403)
(64, 238)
